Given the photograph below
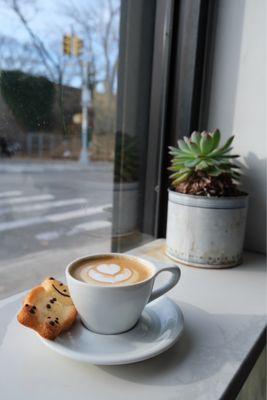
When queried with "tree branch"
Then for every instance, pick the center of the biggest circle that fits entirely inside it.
(38, 44)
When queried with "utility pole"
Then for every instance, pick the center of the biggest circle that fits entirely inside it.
(86, 102)
(73, 46)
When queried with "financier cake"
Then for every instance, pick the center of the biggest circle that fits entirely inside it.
(48, 309)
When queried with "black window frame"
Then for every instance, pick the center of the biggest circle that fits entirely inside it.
(181, 43)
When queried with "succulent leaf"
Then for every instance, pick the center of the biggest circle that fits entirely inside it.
(183, 171)
(183, 146)
(228, 143)
(202, 165)
(192, 163)
(195, 137)
(181, 178)
(236, 175)
(176, 168)
(206, 143)
(230, 156)
(215, 171)
(186, 139)
(179, 160)
(194, 148)
(216, 137)
(173, 149)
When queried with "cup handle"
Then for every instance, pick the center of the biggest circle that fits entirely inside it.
(173, 280)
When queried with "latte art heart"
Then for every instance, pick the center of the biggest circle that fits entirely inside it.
(109, 273)
(110, 269)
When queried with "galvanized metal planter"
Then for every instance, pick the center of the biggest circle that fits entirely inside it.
(206, 232)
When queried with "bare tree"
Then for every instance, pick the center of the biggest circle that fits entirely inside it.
(52, 61)
(109, 36)
(48, 61)
(97, 23)
(20, 56)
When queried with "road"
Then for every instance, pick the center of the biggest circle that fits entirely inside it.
(47, 209)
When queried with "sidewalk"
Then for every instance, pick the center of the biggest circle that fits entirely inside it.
(39, 166)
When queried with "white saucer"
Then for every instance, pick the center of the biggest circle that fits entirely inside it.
(158, 329)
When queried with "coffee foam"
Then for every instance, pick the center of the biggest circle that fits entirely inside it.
(111, 271)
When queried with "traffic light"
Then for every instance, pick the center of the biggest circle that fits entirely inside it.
(67, 45)
(77, 46)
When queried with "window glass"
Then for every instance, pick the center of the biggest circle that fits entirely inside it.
(74, 98)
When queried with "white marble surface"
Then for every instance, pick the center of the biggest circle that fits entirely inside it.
(224, 315)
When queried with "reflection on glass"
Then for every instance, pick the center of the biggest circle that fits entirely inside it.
(74, 96)
(55, 56)
(58, 89)
(126, 178)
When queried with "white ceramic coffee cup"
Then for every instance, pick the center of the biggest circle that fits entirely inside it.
(116, 309)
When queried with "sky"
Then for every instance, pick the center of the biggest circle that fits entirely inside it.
(47, 19)
(44, 16)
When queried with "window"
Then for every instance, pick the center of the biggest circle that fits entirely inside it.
(76, 84)
(91, 96)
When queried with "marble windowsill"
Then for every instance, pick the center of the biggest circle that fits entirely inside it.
(225, 320)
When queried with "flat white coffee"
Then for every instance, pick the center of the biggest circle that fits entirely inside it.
(111, 271)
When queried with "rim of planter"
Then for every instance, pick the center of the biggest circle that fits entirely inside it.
(208, 202)
(125, 185)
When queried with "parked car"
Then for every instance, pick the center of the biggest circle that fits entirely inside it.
(8, 148)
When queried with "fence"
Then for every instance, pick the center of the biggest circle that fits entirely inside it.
(42, 144)
(56, 146)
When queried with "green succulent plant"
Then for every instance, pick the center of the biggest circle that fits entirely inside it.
(201, 157)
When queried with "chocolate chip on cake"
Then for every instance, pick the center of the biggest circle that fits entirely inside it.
(48, 306)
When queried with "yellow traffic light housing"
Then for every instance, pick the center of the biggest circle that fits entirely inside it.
(67, 45)
(77, 46)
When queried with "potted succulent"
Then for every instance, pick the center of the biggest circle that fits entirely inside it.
(206, 209)
(125, 188)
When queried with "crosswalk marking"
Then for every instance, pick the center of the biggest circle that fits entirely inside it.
(42, 206)
(76, 213)
(21, 223)
(89, 226)
(10, 193)
(83, 212)
(85, 227)
(49, 235)
(26, 199)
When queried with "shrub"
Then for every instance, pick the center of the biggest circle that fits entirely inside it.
(30, 98)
